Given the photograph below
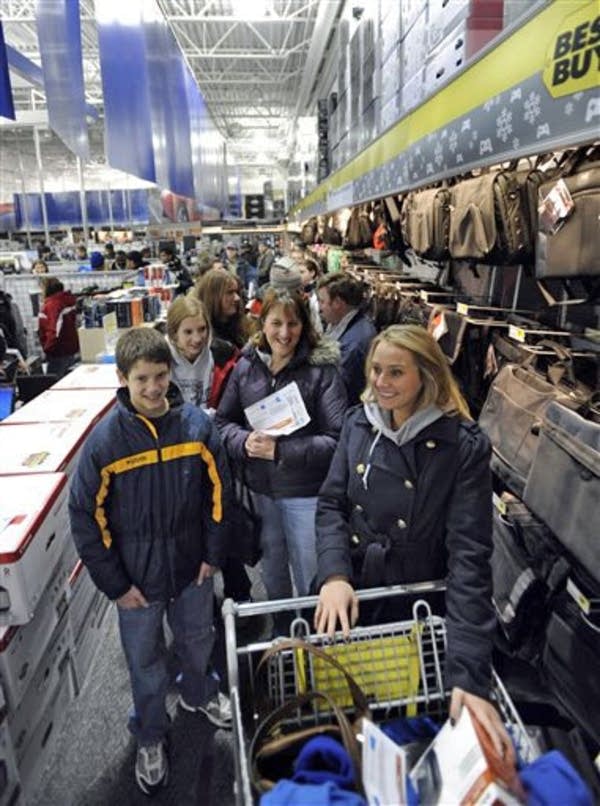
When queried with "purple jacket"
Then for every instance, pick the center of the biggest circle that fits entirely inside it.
(301, 459)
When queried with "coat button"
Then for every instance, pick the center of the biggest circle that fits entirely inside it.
(355, 540)
(430, 443)
(360, 469)
(358, 508)
(401, 523)
(408, 484)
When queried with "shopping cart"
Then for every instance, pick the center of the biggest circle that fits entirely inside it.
(399, 665)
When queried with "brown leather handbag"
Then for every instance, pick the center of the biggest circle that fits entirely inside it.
(573, 250)
(425, 222)
(489, 221)
(274, 746)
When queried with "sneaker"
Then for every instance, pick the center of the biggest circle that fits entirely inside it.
(217, 710)
(151, 767)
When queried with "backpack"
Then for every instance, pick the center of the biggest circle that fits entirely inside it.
(8, 323)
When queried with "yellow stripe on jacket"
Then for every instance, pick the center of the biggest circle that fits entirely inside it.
(168, 454)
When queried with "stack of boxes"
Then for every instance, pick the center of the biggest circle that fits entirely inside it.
(339, 119)
(423, 44)
(456, 31)
(48, 624)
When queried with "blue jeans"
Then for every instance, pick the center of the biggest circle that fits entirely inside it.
(190, 617)
(287, 539)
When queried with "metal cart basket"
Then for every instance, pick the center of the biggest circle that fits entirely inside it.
(399, 665)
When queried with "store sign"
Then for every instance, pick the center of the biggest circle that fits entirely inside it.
(573, 63)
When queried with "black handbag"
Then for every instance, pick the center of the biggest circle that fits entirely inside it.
(247, 525)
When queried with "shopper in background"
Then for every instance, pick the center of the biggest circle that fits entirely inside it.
(135, 260)
(97, 261)
(285, 473)
(120, 261)
(39, 267)
(266, 256)
(12, 327)
(201, 363)
(81, 253)
(220, 293)
(239, 267)
(162, 560)
(109, 253)
(341, 298)
(408, 498)
(310, 271)
(57, 327)
(180, 273)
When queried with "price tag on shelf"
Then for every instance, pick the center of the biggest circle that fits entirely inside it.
(583, 603)
(499, 504)
(462, 308)
(516, 333)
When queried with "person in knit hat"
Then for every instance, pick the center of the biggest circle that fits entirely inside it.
(285, 275)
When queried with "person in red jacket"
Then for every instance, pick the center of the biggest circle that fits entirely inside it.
(57, 327)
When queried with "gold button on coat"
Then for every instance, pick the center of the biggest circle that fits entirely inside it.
(358, 508)
(355, 539)
(401, 523)
(430, 443)
(408, 484)
(360, 469)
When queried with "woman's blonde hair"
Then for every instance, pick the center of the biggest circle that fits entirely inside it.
(439, 386)
(182, 308)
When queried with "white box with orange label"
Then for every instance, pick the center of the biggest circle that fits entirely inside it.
(65, 405)
(33, 448)
(90, 376)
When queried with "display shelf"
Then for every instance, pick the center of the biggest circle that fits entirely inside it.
(517, 98)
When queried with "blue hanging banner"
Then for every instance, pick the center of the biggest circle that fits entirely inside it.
(197, 113)
(127, 121)
(7, 107)
(59, 37)
(168, 105)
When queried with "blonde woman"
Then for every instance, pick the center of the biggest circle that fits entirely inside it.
(407, 499)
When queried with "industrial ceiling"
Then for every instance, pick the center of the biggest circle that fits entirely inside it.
(258, 63)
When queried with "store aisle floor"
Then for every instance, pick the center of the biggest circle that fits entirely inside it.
(93, 759)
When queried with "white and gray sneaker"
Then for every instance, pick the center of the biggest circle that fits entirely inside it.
(151, 767)
(217, 710)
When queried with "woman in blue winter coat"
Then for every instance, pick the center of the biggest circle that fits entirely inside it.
(285, 472)
(408, 498)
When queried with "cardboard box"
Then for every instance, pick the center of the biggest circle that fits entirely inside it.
(461, 766)
(22, 648)
(30, 448)
(55, 665)
(65, 405)
(34, 527)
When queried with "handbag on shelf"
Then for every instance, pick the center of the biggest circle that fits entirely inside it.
(275, 745)
(516, 406)
(425, 222)
(572, 250)
(247, 523)
(563, 487)
(488, 219)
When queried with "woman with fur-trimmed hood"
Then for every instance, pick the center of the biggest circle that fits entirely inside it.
(285, 472)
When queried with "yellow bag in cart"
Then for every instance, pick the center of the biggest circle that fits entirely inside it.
(386, 668)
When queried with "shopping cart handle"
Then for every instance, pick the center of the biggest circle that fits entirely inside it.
(366, 595)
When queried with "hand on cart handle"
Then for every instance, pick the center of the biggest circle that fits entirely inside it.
(488, 717)
(337, 600)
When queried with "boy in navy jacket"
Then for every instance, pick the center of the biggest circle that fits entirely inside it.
(148, 506)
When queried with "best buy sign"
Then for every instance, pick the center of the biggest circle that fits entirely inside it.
(573, 60)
